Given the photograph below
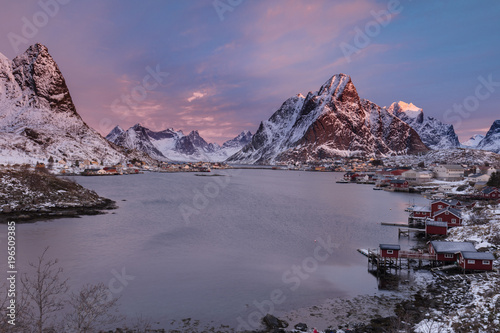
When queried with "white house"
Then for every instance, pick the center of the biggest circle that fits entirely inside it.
(486, 170)
(415, 176)
(449, 172)
(478, 177)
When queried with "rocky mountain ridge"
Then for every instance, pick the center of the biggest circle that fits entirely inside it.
(171, 145)
(434, 133)
(491, 140)
(38, 118)
(334, 121)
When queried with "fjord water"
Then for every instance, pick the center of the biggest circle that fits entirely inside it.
(215, 248)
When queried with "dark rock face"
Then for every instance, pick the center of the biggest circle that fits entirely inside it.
(272, 322)
(197, 140)
(334, 121)
(37, 111)
(185, 146)
(241, 140)
(491, 141)
(143, 143)
(301, 327)
(35, 70)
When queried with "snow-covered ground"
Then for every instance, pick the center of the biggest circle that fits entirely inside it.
(472, 305)
(465, 156)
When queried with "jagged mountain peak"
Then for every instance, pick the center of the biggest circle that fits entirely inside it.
(330, 122)
(491, 141)
(495, 126)
(37, 74)
(115, 132)
(335, 85)
(473, 141)
(138, 126)
(434, 133)
(409, 109)
(38, 119)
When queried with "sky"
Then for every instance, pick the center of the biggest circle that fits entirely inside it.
(223, 66)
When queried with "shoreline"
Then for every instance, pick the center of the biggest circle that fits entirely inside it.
(50, 213)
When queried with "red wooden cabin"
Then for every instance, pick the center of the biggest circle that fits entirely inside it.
(490, 193)
(389, 250)
(482, 261)
(449, 215)
(436, 228)
(448, 251)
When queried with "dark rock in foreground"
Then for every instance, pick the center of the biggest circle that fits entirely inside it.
(27, 195)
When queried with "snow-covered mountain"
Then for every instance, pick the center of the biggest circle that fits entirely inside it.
(491, 141)
(434, 133)
(473, 141)
(174, 145)
(333, 121)
(38, 119)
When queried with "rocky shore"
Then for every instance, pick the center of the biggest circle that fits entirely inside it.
(27, 195)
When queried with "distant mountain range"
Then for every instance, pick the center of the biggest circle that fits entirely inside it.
(38, 119)
(434, 133)
(473, 141)
(171, 145)
(489, 142)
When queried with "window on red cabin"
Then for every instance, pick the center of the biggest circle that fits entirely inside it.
(471, 261)
(448, 255)
(440, 219)
(453, 220)
(486, 262)
(440, 206)
(390, 251)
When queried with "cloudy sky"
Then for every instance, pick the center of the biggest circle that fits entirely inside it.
(223, 66)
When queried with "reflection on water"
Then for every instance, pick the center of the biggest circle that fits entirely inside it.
(211, 248)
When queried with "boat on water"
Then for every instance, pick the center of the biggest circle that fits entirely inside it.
(342, 181)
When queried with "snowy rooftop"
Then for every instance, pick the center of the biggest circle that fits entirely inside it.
(389, 247)
(478, 255)
(452, 247)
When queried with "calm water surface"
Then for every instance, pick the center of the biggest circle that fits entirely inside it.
(210, 247)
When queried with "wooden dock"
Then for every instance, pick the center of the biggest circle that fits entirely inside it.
(443, 268)
(395, 224)
(405, 232)
(382, 263)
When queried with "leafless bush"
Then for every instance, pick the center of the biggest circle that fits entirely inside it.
(91, 309)
(44, 288)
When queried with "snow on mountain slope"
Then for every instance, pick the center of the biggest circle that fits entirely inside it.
(330, 122)
(38, 119)
(491, 141)
(434, 133)
(115, 133)
(473, 141)
(170, 145)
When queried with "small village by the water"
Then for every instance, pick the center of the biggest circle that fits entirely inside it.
(250, 166)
